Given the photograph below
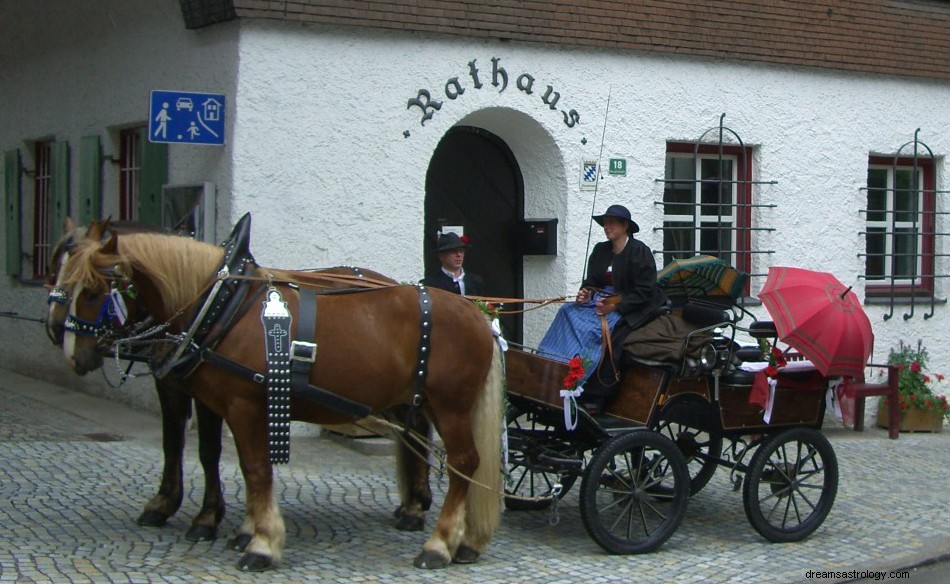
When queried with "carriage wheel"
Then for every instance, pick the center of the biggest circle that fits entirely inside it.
(541, 467)
(791, 485)
(634, 493)
(700, 450)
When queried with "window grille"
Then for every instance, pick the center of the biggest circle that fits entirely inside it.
(904, 224)
(42, 183)
(709, 200)
(130, 163)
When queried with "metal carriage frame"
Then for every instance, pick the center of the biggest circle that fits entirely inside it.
(661, 440)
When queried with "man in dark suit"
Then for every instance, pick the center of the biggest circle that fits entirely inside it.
(451, 250)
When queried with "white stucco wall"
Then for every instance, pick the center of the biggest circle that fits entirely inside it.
(316, 147)
(69, 70)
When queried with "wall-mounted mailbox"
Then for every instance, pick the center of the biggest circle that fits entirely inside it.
(539, 236)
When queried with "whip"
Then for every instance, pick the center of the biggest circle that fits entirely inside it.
(593, 203)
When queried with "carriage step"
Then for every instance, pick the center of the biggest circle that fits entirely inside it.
(565, 463)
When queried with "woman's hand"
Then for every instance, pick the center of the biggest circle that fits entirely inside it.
(602, 308)
(583, 295)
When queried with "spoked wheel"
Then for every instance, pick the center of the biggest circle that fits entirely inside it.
(699, 449)
(541, 466)
(791, 485)
(634, 493)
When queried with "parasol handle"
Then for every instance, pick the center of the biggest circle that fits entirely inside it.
(843, 294)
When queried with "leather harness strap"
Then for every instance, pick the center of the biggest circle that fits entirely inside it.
(421, 369)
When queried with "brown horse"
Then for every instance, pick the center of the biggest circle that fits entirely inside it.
(176, 406)
(368, 352)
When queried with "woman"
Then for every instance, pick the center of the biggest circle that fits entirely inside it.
(621, 286)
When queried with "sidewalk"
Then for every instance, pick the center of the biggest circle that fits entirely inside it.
(79, 468)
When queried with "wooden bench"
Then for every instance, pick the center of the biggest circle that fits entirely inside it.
(860, 389)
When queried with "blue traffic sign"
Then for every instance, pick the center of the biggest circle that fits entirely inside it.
(186, 118)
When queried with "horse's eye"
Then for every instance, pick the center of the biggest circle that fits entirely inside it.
(90, 295)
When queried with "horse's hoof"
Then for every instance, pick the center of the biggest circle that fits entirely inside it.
(203, 533)
(430, 561)
(152, 518)
(465, 555)
(255, 563)
(398, 512)
(408, 523)
(239, 542)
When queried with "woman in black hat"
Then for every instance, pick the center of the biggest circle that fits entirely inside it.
(621, 285)
(451, 250)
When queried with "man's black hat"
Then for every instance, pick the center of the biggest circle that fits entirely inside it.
(450, 240)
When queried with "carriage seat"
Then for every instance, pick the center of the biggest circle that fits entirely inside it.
(763, 329)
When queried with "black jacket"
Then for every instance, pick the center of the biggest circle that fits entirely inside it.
(474, 285)
(634, 279)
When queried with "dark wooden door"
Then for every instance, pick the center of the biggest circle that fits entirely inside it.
(473, 181)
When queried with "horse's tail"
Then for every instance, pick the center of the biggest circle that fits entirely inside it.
(485, 496)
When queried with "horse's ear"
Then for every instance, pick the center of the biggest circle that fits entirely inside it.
(68, 225)
(112, 245)
(97, 229)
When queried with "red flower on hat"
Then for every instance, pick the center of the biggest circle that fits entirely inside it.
(464, 239)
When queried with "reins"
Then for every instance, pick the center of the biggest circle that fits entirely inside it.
(424, 447)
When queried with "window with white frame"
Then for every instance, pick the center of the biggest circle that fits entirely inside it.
(900, 231)
(706, 203)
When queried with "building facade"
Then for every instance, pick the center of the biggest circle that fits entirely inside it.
(810, 134)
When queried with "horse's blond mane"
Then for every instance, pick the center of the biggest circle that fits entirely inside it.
(180, 267)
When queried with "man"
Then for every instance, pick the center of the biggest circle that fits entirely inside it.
(451, 251)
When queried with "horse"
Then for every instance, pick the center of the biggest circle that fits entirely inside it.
(369, 352)
(175, 404)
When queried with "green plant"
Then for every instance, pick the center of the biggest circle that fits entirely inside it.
(915, 383)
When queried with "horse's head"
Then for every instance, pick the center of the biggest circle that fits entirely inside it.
(94, 286)
(56, 316)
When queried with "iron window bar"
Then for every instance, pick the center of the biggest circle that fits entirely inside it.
(715, 221)
(914, 232)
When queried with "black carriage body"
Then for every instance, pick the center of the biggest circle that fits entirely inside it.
(651, 392)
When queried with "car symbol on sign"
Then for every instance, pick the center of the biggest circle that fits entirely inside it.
(184, 103)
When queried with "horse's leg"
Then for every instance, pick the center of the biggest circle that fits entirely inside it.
(412, 473)
(205, 525)
(483, 506)
(262, 522)
(462, 457)
(472, 439)
(176, 407)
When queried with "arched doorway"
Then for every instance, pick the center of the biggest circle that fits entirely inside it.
(473, 181)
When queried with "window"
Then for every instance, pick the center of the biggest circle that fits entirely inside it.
(42, 185)
(900, 226)
(130, 164)
(707, 203)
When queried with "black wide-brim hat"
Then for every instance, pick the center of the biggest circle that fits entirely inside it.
(620, 212)
(450, 240)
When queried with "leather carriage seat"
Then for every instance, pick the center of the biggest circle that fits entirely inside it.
(763, 329)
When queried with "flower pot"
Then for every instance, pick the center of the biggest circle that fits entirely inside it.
(912, 420)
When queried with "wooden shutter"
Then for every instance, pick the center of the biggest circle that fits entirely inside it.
(90, 180)
(152, 176)
(11, 207)
(59, 190)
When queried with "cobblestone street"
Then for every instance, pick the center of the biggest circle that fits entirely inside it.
(72, 486)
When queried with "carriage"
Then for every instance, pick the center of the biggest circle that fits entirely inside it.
(671, 425)
(658, 443)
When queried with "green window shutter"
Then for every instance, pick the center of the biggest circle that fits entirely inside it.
(152, 176)
(11, 207)
(59, 190)
(90, 180)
